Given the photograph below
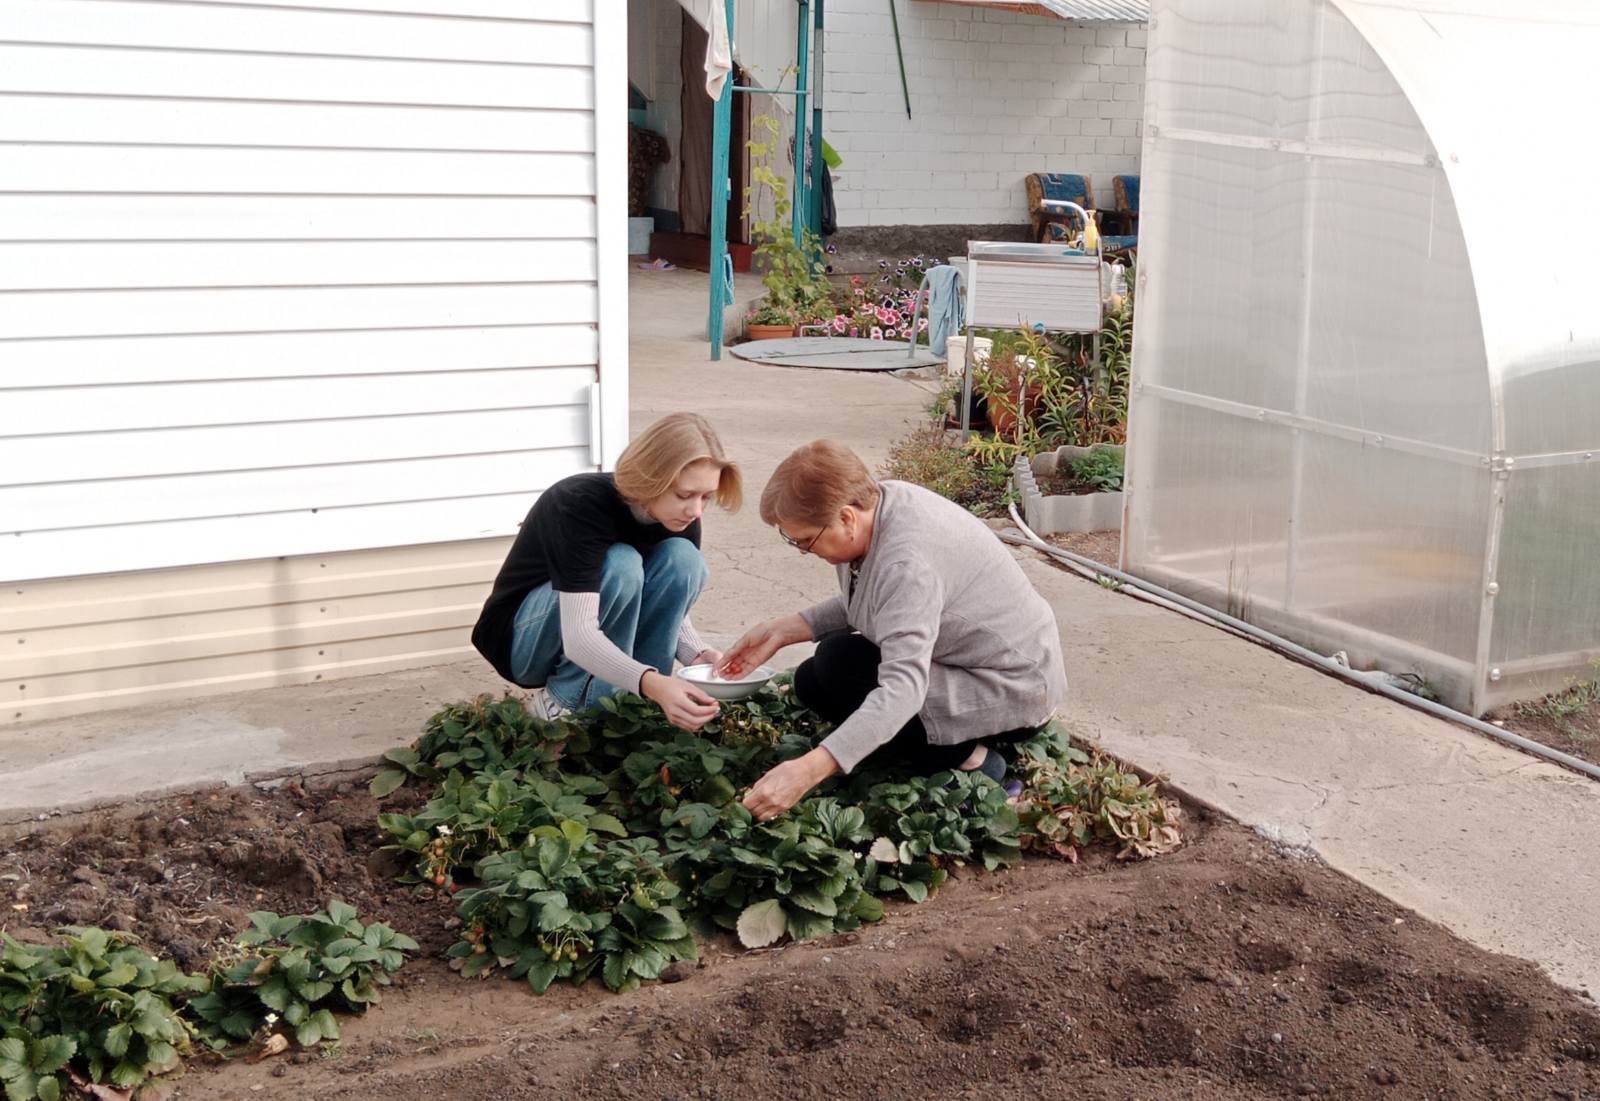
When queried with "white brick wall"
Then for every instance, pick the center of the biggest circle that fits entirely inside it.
(994, 96)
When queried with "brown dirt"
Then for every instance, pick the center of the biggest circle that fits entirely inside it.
(1577, 733)
(1227, 970)
(1102, 546)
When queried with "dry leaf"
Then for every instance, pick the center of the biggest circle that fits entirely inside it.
(276, 1044)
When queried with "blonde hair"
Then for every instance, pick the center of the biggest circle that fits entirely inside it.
(650, 464)
(815, 482)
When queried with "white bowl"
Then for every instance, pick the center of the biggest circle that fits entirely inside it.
(719, 688)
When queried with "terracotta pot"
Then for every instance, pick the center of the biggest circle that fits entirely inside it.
(1004, 421)
(768, 332)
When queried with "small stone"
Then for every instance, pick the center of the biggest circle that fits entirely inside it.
(1277, 1037)
(676, 973)
(1306, 1089)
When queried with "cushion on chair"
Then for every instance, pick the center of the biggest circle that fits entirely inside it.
(1126, 189)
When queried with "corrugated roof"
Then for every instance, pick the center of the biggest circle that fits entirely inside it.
(1081, 11)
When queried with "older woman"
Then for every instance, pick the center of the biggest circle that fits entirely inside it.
(594, 597)
(936, 647)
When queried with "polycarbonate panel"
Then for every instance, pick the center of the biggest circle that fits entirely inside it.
(1553, 406)
(1392, 544)
(1394, 345)
(1312, 444)
(1286, 72)
(1222, 318)
(1549, 600)
(1210, 493)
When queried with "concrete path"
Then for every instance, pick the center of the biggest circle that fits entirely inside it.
(1499, 847)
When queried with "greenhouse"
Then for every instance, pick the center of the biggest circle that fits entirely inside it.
(1366, 406)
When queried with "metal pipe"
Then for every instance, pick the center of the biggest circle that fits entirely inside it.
(1310, 657)
(721, 135)
(900, 56)
(817, 167)
(800, 204)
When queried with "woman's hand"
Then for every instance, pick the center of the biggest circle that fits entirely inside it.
(708, 656)
(786, 784)
(761, 642)
(685, 706)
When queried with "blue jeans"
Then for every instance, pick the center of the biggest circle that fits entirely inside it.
(643, 601)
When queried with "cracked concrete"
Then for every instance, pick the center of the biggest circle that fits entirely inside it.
(1497, 846)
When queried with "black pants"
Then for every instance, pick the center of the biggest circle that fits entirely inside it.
(838, 678)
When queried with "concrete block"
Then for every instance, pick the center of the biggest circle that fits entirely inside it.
(1127, 55)
(1047, 514)
(1099, 55)
(1111, 36)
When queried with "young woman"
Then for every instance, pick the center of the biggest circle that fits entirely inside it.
(594, 597)
(937, 646)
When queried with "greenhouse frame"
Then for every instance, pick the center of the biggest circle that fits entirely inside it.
(1366, 385)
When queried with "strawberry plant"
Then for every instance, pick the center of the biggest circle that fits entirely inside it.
(1070, 799)
(300, 969)
(563, 906)
(601, 865)
(799, 875)
(473, 816)
(482, 734)
(927, 824)
(94, 1002)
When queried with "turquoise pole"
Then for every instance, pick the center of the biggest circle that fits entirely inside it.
(721, 130)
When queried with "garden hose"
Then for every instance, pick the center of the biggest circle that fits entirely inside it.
(1143, 589)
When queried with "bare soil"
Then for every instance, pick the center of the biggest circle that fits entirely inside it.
(1102, 546)
(1576, 732)
(1227, 970)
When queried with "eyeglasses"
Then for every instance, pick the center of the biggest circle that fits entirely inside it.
(804, 548)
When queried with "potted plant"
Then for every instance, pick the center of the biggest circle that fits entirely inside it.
(792, 271)
(769, 322)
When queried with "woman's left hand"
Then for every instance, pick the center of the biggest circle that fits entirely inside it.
(786, 784)
(708, 656)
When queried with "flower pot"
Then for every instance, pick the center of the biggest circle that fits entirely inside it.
(768, 332)
(1002, 412)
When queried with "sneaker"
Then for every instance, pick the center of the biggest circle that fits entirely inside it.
(541, 704)
(994, 766)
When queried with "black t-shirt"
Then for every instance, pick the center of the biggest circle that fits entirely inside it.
(564, 541)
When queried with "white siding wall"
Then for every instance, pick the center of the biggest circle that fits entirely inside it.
(286, 278)
(995, 95)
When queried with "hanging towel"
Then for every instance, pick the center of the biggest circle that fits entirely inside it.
(946, 312)
(719, 51)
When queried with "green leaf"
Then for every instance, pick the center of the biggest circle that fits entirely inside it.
(13, 1058)
(884, 851)
(868, 908)
(274, 993)
(49, 1089)
(127, 1074)
(815, 901)
(915, 890)
(160, 1055)
(119, 976)
(387, 782)
(605, 823)
(22, 1087)
(52, 1053)
(762, 924)
(117, 1039)
(340, 912)
(615, 971)
(541, 975)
